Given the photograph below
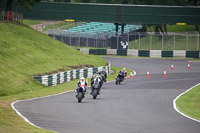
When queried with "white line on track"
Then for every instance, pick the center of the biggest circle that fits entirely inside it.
(12, 105)
(175, 107)
(174, 104)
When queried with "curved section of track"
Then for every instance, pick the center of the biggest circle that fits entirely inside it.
(138, 105)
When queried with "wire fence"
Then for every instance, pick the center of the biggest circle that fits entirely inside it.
(10, 16)
(136, 40)
(169, 41)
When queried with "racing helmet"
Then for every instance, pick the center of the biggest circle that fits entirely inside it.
(82, 78)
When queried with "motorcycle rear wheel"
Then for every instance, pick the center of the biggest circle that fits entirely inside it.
(94, 94)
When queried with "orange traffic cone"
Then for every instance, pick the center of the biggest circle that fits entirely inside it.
(188, 65)
(131, 74)
(148, 76)
(165, 74)
(172, 67)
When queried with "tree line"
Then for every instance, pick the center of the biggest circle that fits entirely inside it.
(157, 28)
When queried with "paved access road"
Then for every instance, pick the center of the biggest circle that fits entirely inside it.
(138, 105)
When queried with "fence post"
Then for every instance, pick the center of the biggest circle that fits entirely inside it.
(87, 41)
(61, 38)
(76, 40)
(3, 13)
(197, 40)
(162, 40)
(187, 41)
(139, 39)
(117, 41)
(128, 38)
(79, 41)
(174, 41)
(96, 42)
(12, 19)
(150, 41)
(70, 41)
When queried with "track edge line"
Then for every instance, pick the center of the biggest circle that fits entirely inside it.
(175, 107)
(26, 120)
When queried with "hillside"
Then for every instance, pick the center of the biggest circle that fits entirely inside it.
(25, 52)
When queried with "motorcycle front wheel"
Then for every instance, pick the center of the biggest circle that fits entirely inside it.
(80, 97)
(94, 94)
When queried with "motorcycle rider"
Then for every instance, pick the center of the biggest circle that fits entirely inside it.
(103, 73)
(81, 83)
(96, 80)
(123, 73)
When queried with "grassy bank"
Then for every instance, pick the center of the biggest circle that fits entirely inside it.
(189, 103)
(10, 122)
(25, 52)
(28, 22)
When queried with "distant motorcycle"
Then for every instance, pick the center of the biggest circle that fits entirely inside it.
(119, 78)
(80, 94)
(95, 88)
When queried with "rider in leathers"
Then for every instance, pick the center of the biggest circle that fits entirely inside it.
(103, 73)
(82, 83)
(122, 74)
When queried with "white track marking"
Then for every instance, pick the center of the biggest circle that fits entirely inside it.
(12, 105)
(174, 104)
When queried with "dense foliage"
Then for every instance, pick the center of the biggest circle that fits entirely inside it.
(145, 2)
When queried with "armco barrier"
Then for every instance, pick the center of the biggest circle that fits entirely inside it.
(61, 77)
(179, 53)
(145, 53)
(122, 52)
(155, 53)
(167, 53)
(111, 51)
(132, 52)
(193, 54)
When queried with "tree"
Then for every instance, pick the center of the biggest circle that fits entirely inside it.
(24, 3)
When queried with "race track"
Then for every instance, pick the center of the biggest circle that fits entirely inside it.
(138, 105)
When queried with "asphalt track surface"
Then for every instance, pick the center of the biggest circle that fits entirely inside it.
(138, 105)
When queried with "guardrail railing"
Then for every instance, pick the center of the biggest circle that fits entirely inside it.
(11, 16)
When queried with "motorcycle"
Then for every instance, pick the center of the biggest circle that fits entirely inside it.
(95, 88)
(101, 80)
(119, 78)
(80, 94)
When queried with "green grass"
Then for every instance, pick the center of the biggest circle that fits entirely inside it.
(29, 22)
(10, 122)
(189, 103)
(177, 28)
(25, 52)
(181, 28)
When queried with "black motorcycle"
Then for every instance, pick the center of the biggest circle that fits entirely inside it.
(95, 89)
(120, 78)
(80, 94)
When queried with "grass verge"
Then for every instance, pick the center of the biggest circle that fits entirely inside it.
(10, 122)
(29, 22)
(189, 103)
(25, 52)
